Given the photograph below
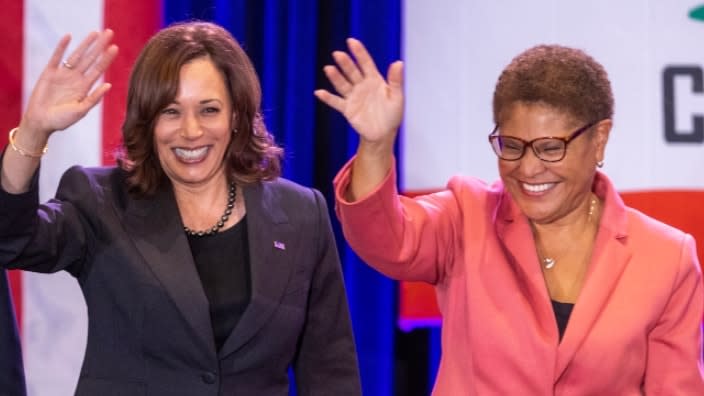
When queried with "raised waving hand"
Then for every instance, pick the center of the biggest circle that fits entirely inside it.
(63, 94)
(372, 105)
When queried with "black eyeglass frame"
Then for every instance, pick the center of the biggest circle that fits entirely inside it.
(493, 136)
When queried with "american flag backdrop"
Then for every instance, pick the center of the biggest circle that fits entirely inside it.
(50, 308)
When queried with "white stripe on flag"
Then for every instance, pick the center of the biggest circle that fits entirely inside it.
(55, 324)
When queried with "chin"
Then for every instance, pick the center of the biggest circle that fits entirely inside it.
(536, 215)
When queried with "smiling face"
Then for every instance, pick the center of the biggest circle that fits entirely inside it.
(193, 132)
(548, 192)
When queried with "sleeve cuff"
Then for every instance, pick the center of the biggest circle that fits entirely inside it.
(341, 183)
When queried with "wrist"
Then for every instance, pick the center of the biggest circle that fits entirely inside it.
(377, 148)
(25, 145)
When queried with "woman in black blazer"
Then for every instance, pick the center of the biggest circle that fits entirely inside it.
(204, 273)
(11, 372)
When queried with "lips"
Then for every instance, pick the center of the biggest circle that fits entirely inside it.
(191, 155)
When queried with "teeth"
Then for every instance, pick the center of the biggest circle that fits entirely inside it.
(190, 155)
(537, 187)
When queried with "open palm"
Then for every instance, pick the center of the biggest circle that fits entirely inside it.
(372, 105)
(62, 94)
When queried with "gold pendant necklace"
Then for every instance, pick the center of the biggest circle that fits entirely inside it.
(549, 262)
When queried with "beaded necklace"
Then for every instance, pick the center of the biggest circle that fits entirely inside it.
(228, 211)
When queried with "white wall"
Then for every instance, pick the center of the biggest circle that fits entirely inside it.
(455, 49)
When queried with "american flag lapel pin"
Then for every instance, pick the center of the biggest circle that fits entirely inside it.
(279, 245)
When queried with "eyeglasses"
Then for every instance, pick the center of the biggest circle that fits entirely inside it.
(548, 149)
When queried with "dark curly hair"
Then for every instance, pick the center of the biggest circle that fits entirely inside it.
(564, 78)
(252, 155)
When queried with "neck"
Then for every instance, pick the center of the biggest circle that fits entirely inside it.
(565, 249)
(205, 193)
(201, 206)
(568, 242)
(583, 218)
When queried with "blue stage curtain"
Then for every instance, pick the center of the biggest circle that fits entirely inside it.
(289, 43)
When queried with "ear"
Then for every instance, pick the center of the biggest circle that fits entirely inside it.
(601, 137)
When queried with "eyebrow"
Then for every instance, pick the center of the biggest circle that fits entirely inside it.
(204, 101)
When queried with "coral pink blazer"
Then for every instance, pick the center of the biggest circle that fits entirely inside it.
(635, 329)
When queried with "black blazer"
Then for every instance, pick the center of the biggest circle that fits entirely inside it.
(149, 330)
(11, 372)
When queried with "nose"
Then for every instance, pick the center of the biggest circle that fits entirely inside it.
(530, 165)
(190, 127)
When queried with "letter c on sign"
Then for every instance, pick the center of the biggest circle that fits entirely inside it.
(671, 133)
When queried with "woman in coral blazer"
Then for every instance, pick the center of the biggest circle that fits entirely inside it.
(547, 282)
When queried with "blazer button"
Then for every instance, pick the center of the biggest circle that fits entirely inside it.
(209, 378)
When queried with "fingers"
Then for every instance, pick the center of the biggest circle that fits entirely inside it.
(347, 66)
(353, 71)
(364, 60)
(101, 63)
(348, 72)
(94, 97)
(58, 53)
(394, 75)
(331, 100)
(74, 59)
(92, 52)
(91, 58)
(338, 81)
(84, 106)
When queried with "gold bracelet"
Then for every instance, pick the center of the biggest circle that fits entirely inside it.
(22, 151)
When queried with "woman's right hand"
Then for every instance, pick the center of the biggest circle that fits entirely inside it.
(64, 92)
(373, 106)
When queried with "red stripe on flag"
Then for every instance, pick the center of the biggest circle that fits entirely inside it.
(11, 65)
(134, 22)
(16, 287)
(11, 31)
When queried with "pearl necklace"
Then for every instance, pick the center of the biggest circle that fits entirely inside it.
(549, 262)
(221, 223)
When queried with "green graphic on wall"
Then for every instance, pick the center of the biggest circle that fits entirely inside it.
(697, 13)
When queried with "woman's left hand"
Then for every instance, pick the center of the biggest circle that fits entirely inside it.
(372, 105)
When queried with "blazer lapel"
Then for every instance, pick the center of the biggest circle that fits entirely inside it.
(514, 231)
(270, 235)
(609, 258)
(157, 231)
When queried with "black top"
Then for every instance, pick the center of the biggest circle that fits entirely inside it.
(562, 315)
(222, 261)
